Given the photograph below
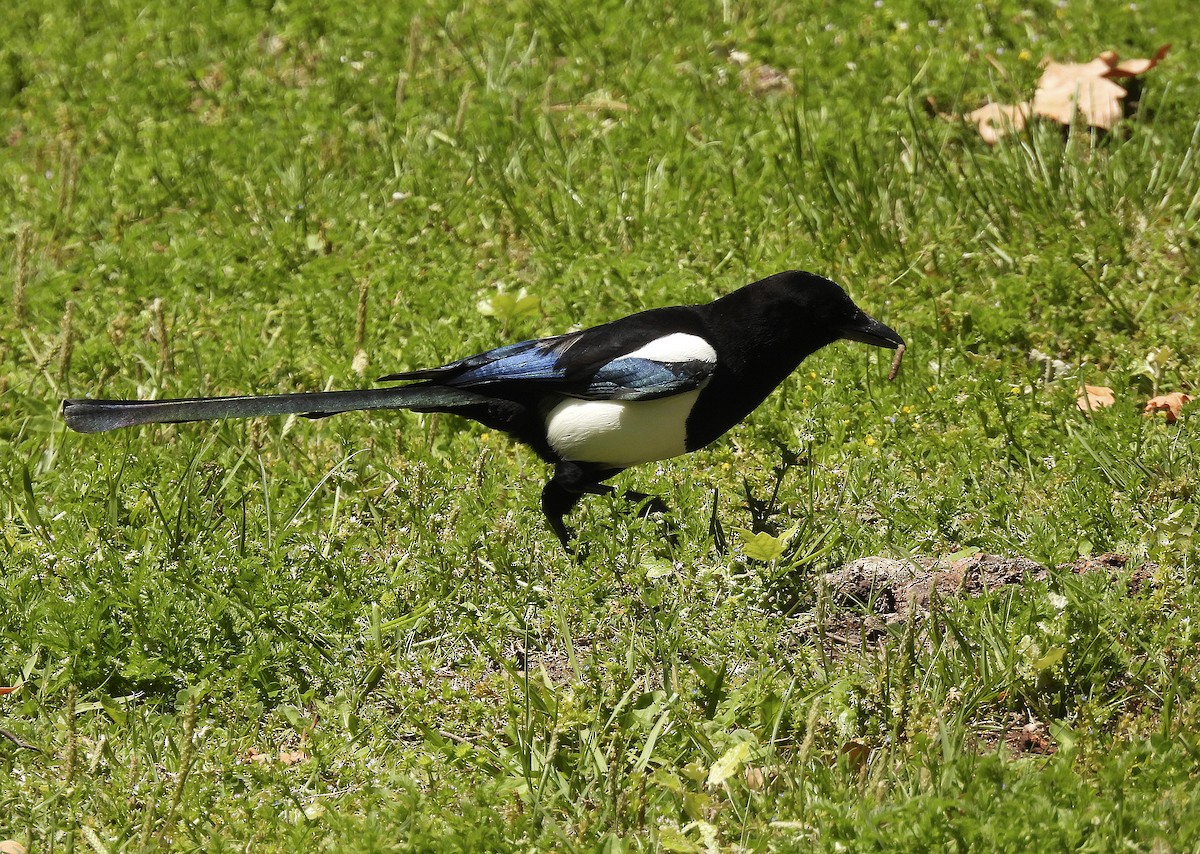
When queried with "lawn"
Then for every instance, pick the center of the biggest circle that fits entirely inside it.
(356, 633)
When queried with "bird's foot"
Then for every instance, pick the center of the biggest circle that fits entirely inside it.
(652, 506)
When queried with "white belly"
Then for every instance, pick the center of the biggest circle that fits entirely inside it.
(620, 433)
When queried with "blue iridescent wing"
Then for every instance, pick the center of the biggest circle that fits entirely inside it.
(603, 363)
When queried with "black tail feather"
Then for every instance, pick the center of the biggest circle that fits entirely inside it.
(95, 416)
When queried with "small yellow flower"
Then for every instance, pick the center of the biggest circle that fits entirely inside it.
(486, 437)
(870, 441)
(906, 410)
(1024, 56)
(1016, 389)
(931, 389)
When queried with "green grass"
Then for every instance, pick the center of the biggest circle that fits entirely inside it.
(196, 203)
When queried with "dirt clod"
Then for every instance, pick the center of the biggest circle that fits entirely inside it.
(868, 595)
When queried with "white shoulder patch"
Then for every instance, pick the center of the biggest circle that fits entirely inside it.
(676, 347)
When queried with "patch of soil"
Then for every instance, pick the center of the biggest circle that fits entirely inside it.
(871, 594)
(891, 588)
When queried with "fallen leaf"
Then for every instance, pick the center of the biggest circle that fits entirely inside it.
(256, 757)
(1134, 67)
(1096, 100)
(1095, 397)
(291, 757)
(11, 846)
(8, 689)
(1065, 91)
(1168, 404)
(856, 754)
(1057, 75)
(997, 120)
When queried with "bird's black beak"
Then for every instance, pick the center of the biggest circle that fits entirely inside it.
(867, 330)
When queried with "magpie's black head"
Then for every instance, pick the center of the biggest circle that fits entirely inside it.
(830, 312)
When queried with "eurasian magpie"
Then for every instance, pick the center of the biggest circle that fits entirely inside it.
(592, 403)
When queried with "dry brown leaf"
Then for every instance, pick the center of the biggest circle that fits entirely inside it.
(1057, 75)
(1134, 67)
(857, 753)
(8, 689)
(1168, 404)
(997, 120)
(1095, 397)
(11, 846)
(256, 757)
(291, 757)
(1067, 89)
(1097, 100)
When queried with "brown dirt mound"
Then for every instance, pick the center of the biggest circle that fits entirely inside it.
(869, 594)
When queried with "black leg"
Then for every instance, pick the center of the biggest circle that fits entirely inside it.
(571, 481)
(652, 503)
(557, 502)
